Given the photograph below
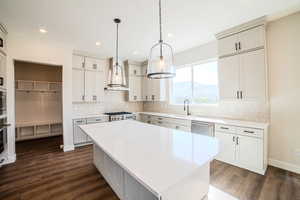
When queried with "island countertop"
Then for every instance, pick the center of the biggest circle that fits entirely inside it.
(158, 157)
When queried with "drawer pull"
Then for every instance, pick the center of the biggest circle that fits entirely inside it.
(225, 128)
(249, 132)
(98, 120)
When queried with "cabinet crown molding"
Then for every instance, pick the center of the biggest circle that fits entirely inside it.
(262, 21)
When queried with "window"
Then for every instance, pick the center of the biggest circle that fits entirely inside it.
(198, 82)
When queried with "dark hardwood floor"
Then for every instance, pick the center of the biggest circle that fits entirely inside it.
(43, 171)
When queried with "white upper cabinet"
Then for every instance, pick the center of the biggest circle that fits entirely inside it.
(228, 45)
(252, 38)
(88, 79)
(141, 88)
(94, 64)
(78, 85)
(229, 77)
(242, 65)
(253, 76)
(135, 70)
(78, 62)
(94, 86)
(245, 40)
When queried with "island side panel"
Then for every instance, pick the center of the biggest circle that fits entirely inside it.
(194, 187)
(124, 185)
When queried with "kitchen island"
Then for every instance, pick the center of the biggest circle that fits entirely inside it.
(147, 162)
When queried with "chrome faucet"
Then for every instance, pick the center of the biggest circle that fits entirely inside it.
(186, 106)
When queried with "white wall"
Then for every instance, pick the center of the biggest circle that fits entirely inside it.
(234, 110)
(42, 51)
(284, 64)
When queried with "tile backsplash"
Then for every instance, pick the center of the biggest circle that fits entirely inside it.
(251, 111)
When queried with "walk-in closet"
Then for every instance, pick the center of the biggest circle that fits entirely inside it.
(38, 100)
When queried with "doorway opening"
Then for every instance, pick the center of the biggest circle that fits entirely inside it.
(38, 105)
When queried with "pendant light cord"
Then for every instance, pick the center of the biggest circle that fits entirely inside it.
(160, 29)
(117, 46)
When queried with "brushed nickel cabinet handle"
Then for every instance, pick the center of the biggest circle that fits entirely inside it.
(95, 66)
(224, 128)
(237, 95)
(240, 46)
(249, 132)
(82, 97)
(82, 65)
(236, 46)
(237, 140)
(233, 138)
(241, 94)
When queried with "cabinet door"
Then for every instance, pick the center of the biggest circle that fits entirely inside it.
(226, 147)
(94, 85)
(252, 38)
(227, 45)
(135, 70)
(229, 77)
(249, 152)
(157, 90)
(78, 85)
(94, 64)
(135, 88)
(78, 62)
(79, 135)
(252, 75)
(145, 90)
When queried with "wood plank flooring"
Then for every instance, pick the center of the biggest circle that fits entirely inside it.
(43, 171)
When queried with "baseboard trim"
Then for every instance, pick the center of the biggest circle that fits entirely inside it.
(69, 148)
(285, 165)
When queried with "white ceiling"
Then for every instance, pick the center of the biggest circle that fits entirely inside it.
(83, 22)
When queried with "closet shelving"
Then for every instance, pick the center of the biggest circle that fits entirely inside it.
(37, 86)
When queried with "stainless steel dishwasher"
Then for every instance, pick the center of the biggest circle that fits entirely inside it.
(203, 128)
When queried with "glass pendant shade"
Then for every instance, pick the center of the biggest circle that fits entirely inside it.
(116, 75)
(161, 58)
(160, 63)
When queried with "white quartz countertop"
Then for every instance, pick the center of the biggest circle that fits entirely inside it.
(242, 123)
(158, 157)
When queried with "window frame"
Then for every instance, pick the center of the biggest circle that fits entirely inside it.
(192, 65)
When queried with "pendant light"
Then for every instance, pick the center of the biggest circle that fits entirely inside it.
(161, 59)
(116, 79)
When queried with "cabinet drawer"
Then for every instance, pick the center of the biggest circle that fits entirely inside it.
(96, 120)
(225, 128)
(250, 132)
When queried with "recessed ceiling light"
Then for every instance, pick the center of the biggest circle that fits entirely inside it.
(170, 35)
(98, 43)
(42, 30)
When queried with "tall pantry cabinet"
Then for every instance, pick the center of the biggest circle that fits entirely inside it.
(242, 63)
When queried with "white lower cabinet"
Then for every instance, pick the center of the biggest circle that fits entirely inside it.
(249, 152)
(226, 147)
(79, 137)
(243, 147)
